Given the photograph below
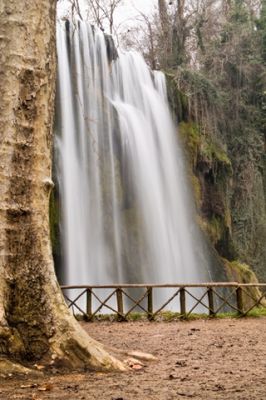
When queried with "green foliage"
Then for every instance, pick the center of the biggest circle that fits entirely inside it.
(196, 84)
(177, 99)
(224, 131)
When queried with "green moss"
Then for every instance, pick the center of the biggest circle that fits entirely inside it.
(239, 272)
(257, 312)
(177, 99)
(190, 136)
(214, 152)
(169, 316)
(214, 228)
(54, 218)
(201, 147)
(196, 186)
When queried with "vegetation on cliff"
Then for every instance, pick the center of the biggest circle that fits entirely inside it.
(217, 93)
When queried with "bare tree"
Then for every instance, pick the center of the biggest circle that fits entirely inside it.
(101, 13)
(166, 32)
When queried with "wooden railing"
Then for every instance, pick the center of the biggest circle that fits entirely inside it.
(183, 299)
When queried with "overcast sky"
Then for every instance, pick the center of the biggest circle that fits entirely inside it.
(126, 12)
(130, 6)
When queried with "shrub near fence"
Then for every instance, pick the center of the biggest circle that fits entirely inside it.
(120, 301)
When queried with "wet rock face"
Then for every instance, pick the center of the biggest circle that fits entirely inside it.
(110, 47)
(112, 52)
(228, 186)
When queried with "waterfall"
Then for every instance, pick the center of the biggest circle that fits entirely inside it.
(127, 212)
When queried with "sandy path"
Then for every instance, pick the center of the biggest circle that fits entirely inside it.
(212, 359)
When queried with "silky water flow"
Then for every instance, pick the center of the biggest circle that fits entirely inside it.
(127, 213)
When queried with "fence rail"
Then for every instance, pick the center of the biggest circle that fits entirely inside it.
(122, 300)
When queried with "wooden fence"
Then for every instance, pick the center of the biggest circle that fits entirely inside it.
(183, 299)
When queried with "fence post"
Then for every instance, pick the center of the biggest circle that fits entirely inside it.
(183, 302)
(239, 300)
(88, 305)
(120, 307)
(211, 302)
(150, 303)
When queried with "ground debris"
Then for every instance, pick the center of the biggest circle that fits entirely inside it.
(218, 387)
(172, 376)
(181, 363)
(142, 356)
(118, 398)
(28, 386)
(45, 388)
(39, 367)
(134, 363)
(185, 394)
(73, 388)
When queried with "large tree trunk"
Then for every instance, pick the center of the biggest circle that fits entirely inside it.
(35, 323)
(166, 30)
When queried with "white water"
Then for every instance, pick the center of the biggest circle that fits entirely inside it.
(127, 215)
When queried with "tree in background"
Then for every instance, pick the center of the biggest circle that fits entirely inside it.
(236, 68)
(221, 86)
(102, 13)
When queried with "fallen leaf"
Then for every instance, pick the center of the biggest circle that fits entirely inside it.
(134, 363)
(142, 356)
(39, 367)
(45, 388)
(137, 366)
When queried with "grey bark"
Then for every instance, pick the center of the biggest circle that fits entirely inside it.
(35, 323)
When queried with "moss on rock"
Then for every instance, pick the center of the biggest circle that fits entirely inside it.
(226, 167)
(239, 272)
(242, 273)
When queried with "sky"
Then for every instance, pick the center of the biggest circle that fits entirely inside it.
(125, 13)
(130, 7)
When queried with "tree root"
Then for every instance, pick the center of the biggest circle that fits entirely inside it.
(70, 348)
(8, 368)
(74, 349)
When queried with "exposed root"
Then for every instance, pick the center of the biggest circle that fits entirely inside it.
(132, 353)
(8, 368)
(76, 350)
(142, 356)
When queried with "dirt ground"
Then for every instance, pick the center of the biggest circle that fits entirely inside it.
(212, 359)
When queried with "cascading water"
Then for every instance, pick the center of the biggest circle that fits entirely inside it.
(126, 207)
